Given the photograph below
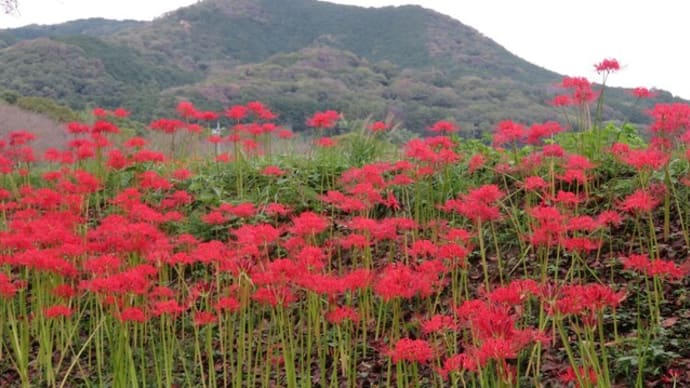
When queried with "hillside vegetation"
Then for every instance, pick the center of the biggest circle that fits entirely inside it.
(299, 56)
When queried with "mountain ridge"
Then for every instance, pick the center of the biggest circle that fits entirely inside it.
(407, 60)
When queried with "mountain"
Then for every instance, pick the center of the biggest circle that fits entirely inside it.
(298, 56)
(90, 27)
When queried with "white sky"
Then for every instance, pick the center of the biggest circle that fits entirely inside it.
(648, 38)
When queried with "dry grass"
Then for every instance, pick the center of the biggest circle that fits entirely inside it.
(49, 133)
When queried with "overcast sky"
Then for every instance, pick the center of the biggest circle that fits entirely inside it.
(648, 38)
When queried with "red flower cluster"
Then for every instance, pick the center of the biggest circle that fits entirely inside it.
(324, 120)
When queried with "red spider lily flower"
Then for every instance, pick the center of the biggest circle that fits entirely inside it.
(454, 253)
(578, 162)
(534, 183)
(438, 323)
(444, 127)
(45, 261)
(194, 128)
(266, 115)
(214, 218)
(254, 129)
(378, 126)
(570, 376)
(609, 217)
(561, 100)
(99, 112)
(76, 128)
(619, 149)
(403, 180)
(276, 209)
(187, 110)
(120, 112)
(669, 119)
(161, 292)
(167, 307)
(224, 158)
(666, 269)
(328, 285)
(587, 299)
(132, 314)
(476, 162)
(478, 204)
(17, 138)
(269, 128)
(641, 92)
(102, 126)
(272, 171)
(136, 142)
(278, 272)
(582, 223)
(57, 311)
(274, 296)
(458, 235)
(256, 107)
(343, 202)
(150, 180)
(284, 134)
(515, 293)
(326, 142)
(237, 112)
(639, 201)
(176, 199)
(357, 279)
(607, 66)
(423, 249)
(311, 258)
(207, 116)
(664, 143)
(411, 350)
(580, 244)
(203, 318)
(64, 291)
(227, 304)
(536, 132)
(261, 111)
(657, 267)
(369, 173)
(508, 132)
(324, 120)
(144, 156)
(8, 288)
(167, 125)
(672, 375)
(391, 201)
(102, 265)
(458, 363)
(214, 139)
(397, 281)
(243, 210)
(553, 151)
(353, 241)
(567, 198)
(570, 176)
(341, 314)
(495, 349)
(649, 159)
(181, 174)
(581, 88)
(308, 223)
